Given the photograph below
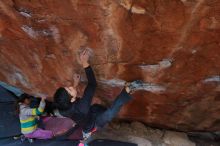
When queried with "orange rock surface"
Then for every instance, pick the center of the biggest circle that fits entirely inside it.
(172, 46)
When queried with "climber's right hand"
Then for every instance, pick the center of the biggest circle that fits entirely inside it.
(84, 58)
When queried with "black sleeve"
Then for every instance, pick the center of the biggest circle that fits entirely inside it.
(84, 104)
(90, 76)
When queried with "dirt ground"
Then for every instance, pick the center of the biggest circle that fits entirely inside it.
(142, 135)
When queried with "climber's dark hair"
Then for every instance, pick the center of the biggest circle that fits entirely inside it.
(21, 99)
(61, 99)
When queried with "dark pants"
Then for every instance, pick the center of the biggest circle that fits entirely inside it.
(101, 118)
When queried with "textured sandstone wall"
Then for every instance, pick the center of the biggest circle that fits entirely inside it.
(171, 45)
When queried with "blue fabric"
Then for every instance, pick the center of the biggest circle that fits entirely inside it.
(6, 96)
(12, 142)
(11, 88)
(98, 142)
(9, 121)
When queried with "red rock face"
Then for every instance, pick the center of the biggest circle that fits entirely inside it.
(171, 45)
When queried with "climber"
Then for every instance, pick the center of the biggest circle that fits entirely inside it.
(29, 116)
(90, 118)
